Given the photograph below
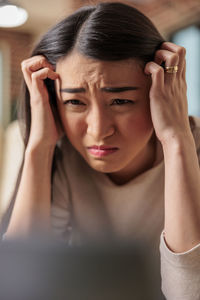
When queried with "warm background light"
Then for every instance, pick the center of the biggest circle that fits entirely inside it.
(12, 16)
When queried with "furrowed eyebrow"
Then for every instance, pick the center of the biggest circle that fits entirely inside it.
(119, 89)
(73, 90)
(104, 89)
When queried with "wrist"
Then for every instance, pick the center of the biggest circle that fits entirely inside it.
(177, 143)
(37, 151)
(40, 157)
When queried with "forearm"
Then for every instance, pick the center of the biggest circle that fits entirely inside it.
(31, 211)
(182, 194)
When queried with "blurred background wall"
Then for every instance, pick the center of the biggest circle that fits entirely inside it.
(177, 20)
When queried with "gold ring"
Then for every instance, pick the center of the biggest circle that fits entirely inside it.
(173, 69)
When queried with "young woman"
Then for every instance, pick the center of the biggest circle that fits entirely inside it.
(109, 148)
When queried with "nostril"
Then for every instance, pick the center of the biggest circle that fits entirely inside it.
(100, 125)
(100, 133)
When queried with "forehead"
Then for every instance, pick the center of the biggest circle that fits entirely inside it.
(77, 69)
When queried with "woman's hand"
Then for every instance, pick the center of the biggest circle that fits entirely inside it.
(44, 132)
(32, 206)
(168, 100)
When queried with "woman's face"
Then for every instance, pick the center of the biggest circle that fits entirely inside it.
(106, 104)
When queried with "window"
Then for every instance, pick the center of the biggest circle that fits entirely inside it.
(190, 39)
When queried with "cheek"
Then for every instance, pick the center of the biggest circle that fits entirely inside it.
(137, 125)
(73, 125)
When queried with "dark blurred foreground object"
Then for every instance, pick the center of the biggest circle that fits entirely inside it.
(44, 270)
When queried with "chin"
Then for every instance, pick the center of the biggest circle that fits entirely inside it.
(104, 167)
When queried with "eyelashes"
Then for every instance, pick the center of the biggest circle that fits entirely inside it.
(123, 101)
(118, 102)
(73, 102)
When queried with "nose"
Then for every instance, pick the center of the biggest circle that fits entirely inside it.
(100, 124)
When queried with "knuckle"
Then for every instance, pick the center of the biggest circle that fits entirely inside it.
(42, 59)
(40, 73)
(34, 75)
(176, 56)
(158, 52)
(148, 65)
(24, 65)
(182, 51)
(46, 70)
(159, 70)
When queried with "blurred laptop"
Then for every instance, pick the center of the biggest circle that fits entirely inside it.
(50, 270)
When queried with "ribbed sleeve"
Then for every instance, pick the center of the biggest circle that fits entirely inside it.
(180, 273)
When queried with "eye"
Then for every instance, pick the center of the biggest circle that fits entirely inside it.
(122, 101)
(73, 102)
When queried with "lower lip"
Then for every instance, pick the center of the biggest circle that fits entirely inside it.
(100, 153)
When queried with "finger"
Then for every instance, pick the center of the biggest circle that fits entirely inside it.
(170, 59)
(33, 64)
(184, 70)
(57, 87)
(43, 74)
(27, 74)
(36, 63)
(157, 75)
(181, 51)
(39, 63)
(38, 80)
